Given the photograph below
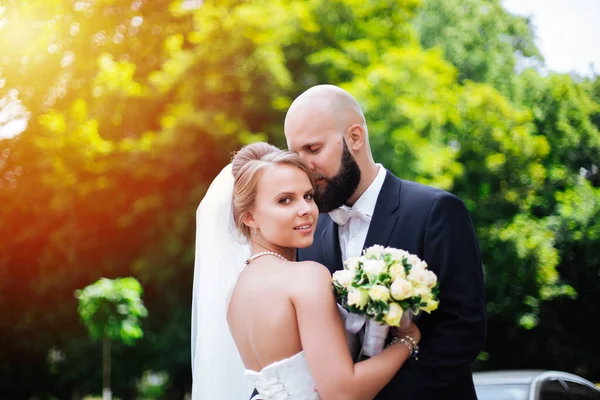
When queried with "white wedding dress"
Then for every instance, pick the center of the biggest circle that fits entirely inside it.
(288, 379)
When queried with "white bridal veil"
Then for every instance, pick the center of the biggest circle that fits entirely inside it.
(217, 369)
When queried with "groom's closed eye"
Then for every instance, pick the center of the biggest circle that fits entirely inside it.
(312, 148)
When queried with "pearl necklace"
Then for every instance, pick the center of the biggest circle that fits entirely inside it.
(265, 253)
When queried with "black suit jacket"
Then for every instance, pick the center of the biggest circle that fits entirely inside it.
(434, 225)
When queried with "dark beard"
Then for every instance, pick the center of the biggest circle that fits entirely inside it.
(342, 186)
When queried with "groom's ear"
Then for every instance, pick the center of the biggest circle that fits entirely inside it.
(355, 137)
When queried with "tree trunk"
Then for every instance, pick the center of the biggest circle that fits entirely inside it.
(106, 394)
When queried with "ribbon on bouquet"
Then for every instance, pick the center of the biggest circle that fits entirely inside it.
(375, 333)
(355, 322)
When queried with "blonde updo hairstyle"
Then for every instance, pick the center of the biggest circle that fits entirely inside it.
(248, 165)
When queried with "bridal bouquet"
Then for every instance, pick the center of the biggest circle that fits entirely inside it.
(384, 287)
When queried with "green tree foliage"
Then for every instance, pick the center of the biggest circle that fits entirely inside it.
(484, 41)
(111, 310)
(134, 106)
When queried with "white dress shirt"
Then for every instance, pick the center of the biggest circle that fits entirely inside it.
(353, 233)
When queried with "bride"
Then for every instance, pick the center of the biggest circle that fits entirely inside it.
(260, 319)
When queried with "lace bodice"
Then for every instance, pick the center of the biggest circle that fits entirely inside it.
(287, 379)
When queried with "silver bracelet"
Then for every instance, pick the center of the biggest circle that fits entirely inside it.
(409, 342)
(415, 346)
(398, 339)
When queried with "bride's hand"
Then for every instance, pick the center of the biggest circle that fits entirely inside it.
(411, 330)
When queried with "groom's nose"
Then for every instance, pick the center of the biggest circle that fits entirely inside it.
(308, 161)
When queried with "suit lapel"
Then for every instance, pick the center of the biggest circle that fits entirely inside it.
(330, 245)
(385, 214)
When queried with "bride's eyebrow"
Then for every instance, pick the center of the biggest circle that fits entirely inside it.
(292, 193)
(285, 194)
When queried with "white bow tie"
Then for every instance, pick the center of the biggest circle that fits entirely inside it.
(341, 216)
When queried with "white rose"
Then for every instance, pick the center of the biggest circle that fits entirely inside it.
(375, 251)
(397, 254)
(394, 314)
(431, 280)
(343, 277)
(374, 267)
(414, 260)
(352, 263)
(358, 297)
(401, 289)
(424, 292)
(379, 293)
(418, 276)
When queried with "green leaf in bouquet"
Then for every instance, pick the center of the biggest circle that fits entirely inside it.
(340, 291)
(337, 287)
(387, 257)
(377, 309)
(385, 279)
(435, 291)
(360, 277)
(362, 281)
(372, 279)
(407, 265)
(405, 304)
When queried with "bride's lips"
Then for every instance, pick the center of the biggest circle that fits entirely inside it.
(304, 228)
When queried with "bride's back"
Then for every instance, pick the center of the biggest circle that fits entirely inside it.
(273, 207)
(261, 316)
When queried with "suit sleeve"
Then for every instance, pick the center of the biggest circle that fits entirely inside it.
(454, 334)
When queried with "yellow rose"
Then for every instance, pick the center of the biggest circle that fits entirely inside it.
(431, 306)
(394, 314)
(379, 293)
(397, 271)
(358, 297)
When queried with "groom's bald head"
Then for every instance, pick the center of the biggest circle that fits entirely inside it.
(326, 127)
(325, 105)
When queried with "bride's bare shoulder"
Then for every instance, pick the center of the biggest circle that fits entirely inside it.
(310, 275)
(311, 268)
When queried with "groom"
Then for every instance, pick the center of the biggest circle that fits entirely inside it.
(362, 204)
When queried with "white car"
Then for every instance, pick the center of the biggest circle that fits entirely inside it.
(533, 385)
